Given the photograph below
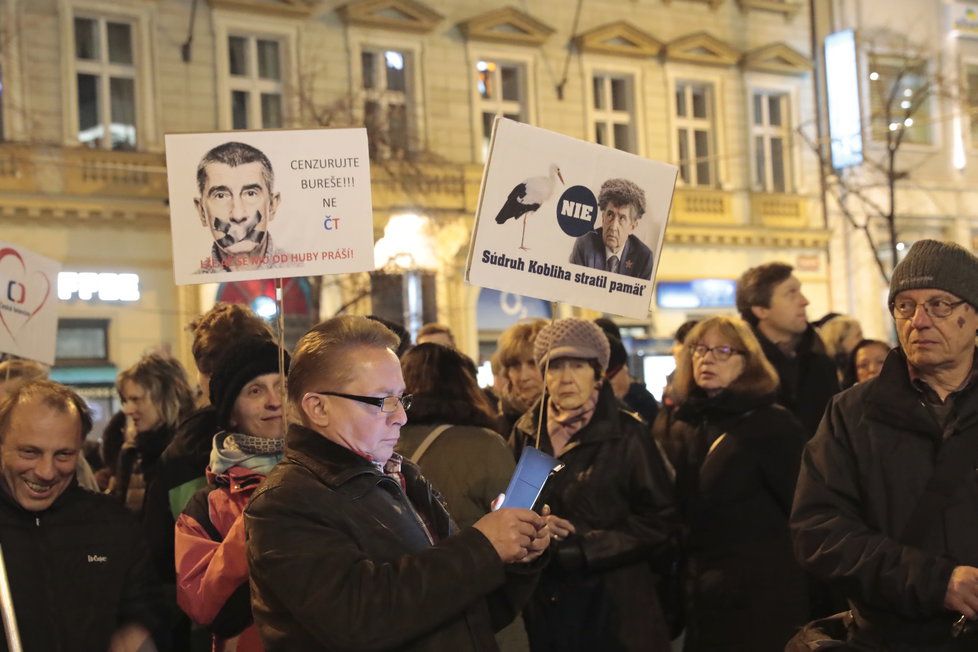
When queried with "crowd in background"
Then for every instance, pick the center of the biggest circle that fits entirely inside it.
(669, 520)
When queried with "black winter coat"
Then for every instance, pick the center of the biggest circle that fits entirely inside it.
(340, 560)
(862, 476)
(807, 381)
(599, 591)
(77, 571)
(744, 590)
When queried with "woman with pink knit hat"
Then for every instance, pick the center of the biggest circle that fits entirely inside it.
(612, 510)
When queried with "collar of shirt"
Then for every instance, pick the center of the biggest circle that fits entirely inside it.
(608, 253)
(928, 392)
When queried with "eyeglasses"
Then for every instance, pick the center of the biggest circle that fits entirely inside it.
(387, 404)
(721, 353)
(907, 308)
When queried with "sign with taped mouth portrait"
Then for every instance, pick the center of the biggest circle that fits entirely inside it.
(249, 205)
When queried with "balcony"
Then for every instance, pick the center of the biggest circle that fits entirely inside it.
(701, 206)
(779, 211)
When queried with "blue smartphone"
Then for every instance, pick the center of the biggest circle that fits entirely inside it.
(531, 474)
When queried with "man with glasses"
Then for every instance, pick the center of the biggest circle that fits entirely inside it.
(349, 547)
(887, 501)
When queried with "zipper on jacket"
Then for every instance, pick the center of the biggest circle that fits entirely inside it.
(414, 512)
(37, 521)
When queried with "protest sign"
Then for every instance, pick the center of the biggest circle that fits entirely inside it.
(28, 303)
(566, 220)
(249, 205)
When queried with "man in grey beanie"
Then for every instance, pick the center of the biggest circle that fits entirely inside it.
(887, 501)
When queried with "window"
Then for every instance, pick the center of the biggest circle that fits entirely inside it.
(971, 99)
(770, 131)
(82, 342)
(613, 110)
(386, 78)
(502, 91)
(695, 133)
(255, 82)
(899, 98)
(105, 82)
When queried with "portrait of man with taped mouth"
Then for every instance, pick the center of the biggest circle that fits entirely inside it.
(237, 202)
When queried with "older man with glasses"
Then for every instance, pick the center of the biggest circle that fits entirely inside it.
(887, 499)
(349, 547)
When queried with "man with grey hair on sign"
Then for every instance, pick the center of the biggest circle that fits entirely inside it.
(613, 246)
(349, 547)
(79, 571)
(886, 506)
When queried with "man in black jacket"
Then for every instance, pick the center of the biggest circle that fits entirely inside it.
(886, 501)
(79, 571)
(349, 547)
(769, 298)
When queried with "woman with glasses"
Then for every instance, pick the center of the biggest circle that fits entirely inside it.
(613, 515)
(736, 456)
(212, 569)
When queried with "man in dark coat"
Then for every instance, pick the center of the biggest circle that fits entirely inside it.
(867, 515)
(349, 547)
(79, 572)
(613, 247)
(769, 298)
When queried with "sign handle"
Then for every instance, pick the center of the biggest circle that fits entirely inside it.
(7, 610)
(546, 366)
(280, 305)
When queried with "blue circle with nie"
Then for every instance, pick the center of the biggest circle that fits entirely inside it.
(577, 211)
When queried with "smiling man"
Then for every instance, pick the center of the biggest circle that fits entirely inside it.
(236, 203)
(886, 502)
(769, 298)
(349, 547)
(613, 247)
(78, 568)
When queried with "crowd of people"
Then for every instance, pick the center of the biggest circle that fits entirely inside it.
(798, 486)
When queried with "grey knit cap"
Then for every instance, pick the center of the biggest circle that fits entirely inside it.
(572, 338)
(937, 265)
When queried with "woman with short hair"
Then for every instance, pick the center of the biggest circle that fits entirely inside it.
(736, 455)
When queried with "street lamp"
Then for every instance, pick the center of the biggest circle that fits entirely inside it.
(407, 249)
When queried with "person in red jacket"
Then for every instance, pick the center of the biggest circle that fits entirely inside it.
(211, 566)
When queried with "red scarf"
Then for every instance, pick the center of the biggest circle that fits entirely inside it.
(562, 425)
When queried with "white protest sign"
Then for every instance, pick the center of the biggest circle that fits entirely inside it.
(250, 205)
(28, 303)
(566, 220)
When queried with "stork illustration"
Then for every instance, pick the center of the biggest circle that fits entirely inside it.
(527, 197)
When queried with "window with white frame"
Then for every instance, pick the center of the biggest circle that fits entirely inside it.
(502, 91)
(899, 98)
(255, 81)
(971, 99)
(695, 133)
(386, 78)
(770, 132)
(613, 111)
(105, 81)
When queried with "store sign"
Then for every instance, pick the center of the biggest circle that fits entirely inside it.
(842, 84)
(964, 19)
(28, 313)
(699, 294)
(104, 286)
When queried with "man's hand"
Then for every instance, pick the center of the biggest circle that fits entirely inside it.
(560, 528)
(511, 532)
(540, 542)
(962, 592)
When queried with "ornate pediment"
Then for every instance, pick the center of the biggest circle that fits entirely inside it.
(507, 25)
(787, 7)
(286, 8)
(777, 58)
(409, 15)
(702, 48)
(619, 38)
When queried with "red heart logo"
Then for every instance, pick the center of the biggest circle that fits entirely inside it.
(21, 293)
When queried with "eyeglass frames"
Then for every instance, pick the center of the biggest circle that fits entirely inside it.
(906, 308)
(387, 404)
(721, 353)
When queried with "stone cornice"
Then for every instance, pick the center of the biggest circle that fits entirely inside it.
(778, 58)
(409, 15)
(282, 8)
(506, 25)
(702, 48)
(619, 38)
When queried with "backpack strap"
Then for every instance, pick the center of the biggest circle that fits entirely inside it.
(428, 441)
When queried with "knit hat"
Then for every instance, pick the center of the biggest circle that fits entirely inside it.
(940, 266)
(241, 363)
(572, 338)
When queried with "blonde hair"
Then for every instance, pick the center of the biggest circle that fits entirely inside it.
(835, 332)
(516, 342)
(758, 377)
(166, 383)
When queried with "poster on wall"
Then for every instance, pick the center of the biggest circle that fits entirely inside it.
(566, 220)
(248, 205)
(28, 303)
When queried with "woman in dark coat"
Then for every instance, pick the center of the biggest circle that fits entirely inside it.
(736, 456)
(612, 510)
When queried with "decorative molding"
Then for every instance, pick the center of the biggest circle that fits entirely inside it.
(619, 38)
(787, 7)
(702, 48)
(713, 3)
(778, 58)
(742, 236)
(507, 25)
(409, 15)
(282, 8)
(779, 210)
